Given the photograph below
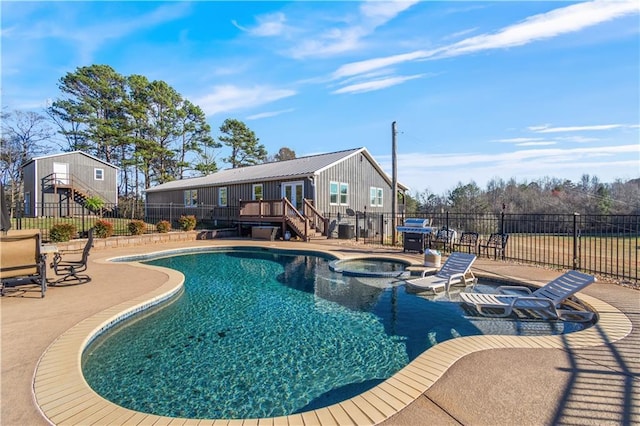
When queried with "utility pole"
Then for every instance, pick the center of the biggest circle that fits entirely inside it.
(394, 180)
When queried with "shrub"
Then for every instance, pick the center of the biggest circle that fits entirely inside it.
(163, 226)
(103, 229)
(137, 227)
(94, 203)
(61, 232)
(187, 223)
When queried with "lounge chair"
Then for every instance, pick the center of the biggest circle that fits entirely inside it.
(69, 268)
(21, 261)
(455, 270)
(544, 300)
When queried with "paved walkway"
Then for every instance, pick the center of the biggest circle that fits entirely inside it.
(597, 385)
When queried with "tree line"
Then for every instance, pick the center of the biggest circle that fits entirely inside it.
(547, 195)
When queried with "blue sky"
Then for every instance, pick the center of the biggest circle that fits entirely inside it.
(479, 90)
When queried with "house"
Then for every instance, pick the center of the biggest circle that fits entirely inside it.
(298, 195)
(59, 185)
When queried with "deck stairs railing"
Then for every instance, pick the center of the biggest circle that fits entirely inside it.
(73, 187)
(309, 225)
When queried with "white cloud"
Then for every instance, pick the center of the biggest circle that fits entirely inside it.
(269, 25)
(517, 140)
(269, 114)
(227, 98)
(337, 40)
(541, 143)
(360, 67)
(548, 129)
(378, 84)
(546, 25)
(538, 27)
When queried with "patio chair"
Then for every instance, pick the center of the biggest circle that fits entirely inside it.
(496, 242)
(455, 270)
(468, 241)
(21, 261)
(544, 300)
(69, 263)
(444, 237)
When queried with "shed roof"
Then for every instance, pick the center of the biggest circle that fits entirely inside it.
(278, 170)
(68, 153)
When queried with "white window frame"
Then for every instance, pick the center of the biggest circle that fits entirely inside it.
(376, 197)
(253, 191)
(344, 202)
(336, 194)
(97, 171)
(191, 198)
(223, 201)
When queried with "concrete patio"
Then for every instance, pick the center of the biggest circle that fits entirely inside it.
(570, 384)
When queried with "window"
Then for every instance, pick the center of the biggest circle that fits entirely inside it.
(98, 174)
(191, 198)
(375, 196)
(333, 192)
(222, 197)
(339, 193)
(344, 193)
(257, 191)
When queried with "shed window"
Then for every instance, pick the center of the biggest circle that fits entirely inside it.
(191, 198)
(222, 197)
(98, 174)
(375, 195)
(257, 192)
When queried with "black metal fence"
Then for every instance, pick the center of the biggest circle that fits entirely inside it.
(607, 245)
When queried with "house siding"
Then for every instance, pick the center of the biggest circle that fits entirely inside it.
(357, 169)
(81, 169)
(360, 174)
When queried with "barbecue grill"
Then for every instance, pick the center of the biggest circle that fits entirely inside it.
(416, 233)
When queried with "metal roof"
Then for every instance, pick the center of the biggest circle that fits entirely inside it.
(289, 169)
(69, 153)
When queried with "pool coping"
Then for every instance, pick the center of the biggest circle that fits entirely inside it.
(64, 397)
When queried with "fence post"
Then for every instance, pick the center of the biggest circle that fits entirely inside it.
(382, 229)
(357, 225)
(576, 258)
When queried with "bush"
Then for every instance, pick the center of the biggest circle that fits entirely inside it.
(187, 223)
(61, 232)
(163, 226)
(103, 229)
(137, 227)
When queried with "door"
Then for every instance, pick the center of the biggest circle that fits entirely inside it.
(294, 191)
(61, 173)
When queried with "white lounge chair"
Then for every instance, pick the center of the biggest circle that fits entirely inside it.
(544, 300)
(455, 270)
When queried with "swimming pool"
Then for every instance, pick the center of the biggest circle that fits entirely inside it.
(324, 338)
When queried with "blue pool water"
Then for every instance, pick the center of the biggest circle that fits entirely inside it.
(263, 334)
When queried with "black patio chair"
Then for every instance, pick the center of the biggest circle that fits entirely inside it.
(69, 263)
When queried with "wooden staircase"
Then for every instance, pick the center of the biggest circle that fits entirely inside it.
(307, 226)
(74, 189)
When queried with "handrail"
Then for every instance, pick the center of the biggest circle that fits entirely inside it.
(72, 181)
(315, 215)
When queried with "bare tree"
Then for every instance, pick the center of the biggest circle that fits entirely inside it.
(23, 134)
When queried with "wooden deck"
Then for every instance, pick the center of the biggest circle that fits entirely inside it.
(306, 224)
